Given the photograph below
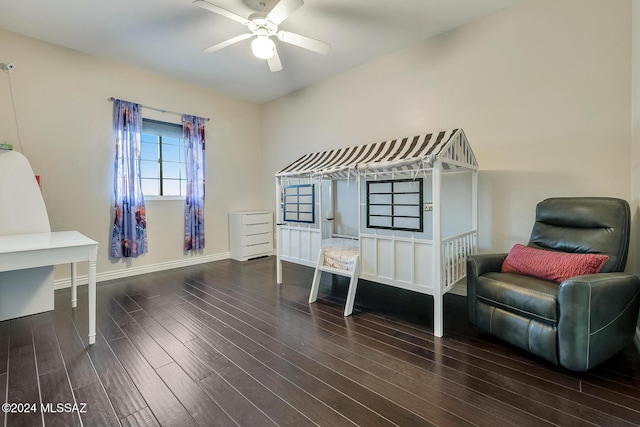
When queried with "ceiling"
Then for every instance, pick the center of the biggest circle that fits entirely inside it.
(168, 36)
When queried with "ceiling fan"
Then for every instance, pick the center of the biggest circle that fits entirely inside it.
(263, 27)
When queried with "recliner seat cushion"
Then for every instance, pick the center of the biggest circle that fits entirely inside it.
(527, 296)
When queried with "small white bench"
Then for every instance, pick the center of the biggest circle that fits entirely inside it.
(338, 256)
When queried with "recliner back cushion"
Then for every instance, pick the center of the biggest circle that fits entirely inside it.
(584, 225)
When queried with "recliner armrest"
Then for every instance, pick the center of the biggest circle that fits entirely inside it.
(598, 313)
(477, 265)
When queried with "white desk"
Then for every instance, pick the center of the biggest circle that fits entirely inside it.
(20, 251)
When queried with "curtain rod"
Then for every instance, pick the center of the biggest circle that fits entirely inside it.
(157, 109)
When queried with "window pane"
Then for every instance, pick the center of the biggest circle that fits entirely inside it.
(149, 169)
(149, 151)
(151, 187)
(183, 187)
(406, 187)
(170, 170)
(407, 210)
(380, 210)
(149, 138)
(382, 187)
(170, 152)
(407, 199)
(172, 141)
(380, 221)
(380, 199)
(306, 217)
(412, 223)
(170, 187)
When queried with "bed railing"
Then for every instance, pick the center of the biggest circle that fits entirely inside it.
(454, 257)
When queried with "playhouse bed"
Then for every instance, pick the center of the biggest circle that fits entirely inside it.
(419, 244)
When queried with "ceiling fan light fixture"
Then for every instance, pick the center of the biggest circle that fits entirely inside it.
(263, 47)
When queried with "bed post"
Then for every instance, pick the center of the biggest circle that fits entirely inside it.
(278, 232)
(474, 205)
(358, 182)
(438, 321)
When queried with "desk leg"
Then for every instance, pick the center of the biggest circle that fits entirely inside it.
(92, 295)
(74, 286)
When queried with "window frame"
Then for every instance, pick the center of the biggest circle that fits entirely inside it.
(392, 204)
(159, 124)
(296, 195)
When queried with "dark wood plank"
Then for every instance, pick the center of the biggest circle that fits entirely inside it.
(4, 345)
(55, 389)
(234, 403)
(201, 407)
(95, 401)
(176, 350)
(165, 406)
(142, 418)
(22, 378)
(123, 394)
(152, 351)
(80, 370)
(48, 354)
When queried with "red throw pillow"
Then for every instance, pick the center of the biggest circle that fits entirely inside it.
(550, 265)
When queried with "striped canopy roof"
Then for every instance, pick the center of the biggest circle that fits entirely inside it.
(398, 155)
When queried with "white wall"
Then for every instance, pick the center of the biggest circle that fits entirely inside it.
(65, 125)
(542, 90)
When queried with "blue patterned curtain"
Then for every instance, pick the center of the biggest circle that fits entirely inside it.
(130, 227)
(193, 135)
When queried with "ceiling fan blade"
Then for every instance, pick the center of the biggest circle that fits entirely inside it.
(228, 42)
(274, 62)
(304, 42)
(283, 9)
(220, 11)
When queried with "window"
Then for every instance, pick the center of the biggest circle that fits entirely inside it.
(162, 162)
(395, 205)
(298, 203)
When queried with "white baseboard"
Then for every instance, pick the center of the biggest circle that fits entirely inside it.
(143, 269)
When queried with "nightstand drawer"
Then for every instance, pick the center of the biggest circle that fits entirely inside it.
(247, 230)
(255, 239)
(257, 218)
(261, 249)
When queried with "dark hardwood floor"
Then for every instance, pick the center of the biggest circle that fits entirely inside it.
(220, 344)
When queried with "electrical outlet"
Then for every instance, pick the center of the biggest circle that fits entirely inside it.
(428, 207)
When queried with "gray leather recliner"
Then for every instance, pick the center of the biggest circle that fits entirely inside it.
(580, 322)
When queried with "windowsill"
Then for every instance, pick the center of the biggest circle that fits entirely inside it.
(163, 198)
